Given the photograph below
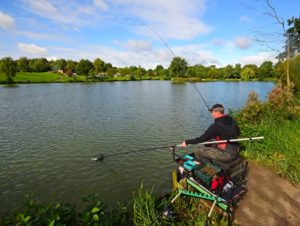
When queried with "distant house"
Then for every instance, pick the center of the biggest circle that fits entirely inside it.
(100, 75)
(117, 75)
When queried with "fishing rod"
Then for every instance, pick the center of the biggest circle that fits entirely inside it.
(168, 47)
(232, 140)
(101, 157)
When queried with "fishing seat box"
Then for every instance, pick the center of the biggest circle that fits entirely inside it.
(205, 172)
(228, 165)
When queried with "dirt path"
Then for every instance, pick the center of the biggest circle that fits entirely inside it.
(270, 200)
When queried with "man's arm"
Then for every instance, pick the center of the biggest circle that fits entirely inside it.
(207, 135)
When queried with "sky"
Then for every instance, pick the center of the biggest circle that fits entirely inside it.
(145, 33)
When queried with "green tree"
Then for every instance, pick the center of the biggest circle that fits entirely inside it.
(9, 68)
(213, 72)
(191, 72)
(293, 34)
(150, 73)
(247, 73)
(159, 71)
(111, 71)
(228, 72)
(265, 70)
(237, 71)
(71, 65)
(98, 65)
(23, 64)
(295, 72)
(107, 66)
(178, 67)
(59, 64)
(39, 65)
(201, 71)
(124, 71)
(84, 67)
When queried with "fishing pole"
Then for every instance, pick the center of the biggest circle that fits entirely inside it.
(232, 140)
(101, 157)
(168, 47)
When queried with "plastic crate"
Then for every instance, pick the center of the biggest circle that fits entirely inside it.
(206, 171)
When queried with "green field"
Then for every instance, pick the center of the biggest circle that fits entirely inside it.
(42, 77)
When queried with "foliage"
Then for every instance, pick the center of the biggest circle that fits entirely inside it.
(39, 65)
(59, 64)
(278, 120)
(95, 213)
(9, 68)
(253, 108)
(143, 207)
(294, 63)
(178, 67)
(265, 70)
(293, 34)
(71, 65)
(247, 73)
(98, 65)
(23, 64)
(84, 67)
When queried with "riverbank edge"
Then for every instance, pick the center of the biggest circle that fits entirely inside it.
(39, 78)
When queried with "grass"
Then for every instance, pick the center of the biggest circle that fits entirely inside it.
(280, 148)
(49, 77)
(278, 120)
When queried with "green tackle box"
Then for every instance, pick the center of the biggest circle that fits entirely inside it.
(205, 172)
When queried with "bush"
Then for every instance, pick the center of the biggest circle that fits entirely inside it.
(95, 213)
(278, 120)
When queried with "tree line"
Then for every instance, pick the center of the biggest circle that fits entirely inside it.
(178, 68)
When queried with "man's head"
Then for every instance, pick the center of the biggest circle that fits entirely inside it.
(217, 110)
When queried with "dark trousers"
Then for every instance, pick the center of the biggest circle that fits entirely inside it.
(202, 152)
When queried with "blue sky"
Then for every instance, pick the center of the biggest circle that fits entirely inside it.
(124, 32)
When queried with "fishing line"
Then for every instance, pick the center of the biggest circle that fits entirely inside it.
(102, 156)
(168, 47)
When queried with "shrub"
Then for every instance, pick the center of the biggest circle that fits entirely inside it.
(253, 108)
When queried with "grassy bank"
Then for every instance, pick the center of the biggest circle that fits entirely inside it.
(49, 77)
(278, 120)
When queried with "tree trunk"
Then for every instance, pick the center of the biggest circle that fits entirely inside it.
(288, 64)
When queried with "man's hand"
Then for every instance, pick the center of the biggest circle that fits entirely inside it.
(183, 144)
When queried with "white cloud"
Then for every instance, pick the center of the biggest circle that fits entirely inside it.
(32, 49)
(136, 45)
(42, 6)
(172, 19)
(6, 21)
(73, 13)
(258, 59)
(100, 4)
(243, 42)
(180, 19)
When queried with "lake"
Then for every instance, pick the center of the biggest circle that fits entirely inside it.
(50, 132)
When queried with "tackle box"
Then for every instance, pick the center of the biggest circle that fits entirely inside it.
(206, 171)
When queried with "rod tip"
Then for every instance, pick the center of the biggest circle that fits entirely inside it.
(98, 158)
